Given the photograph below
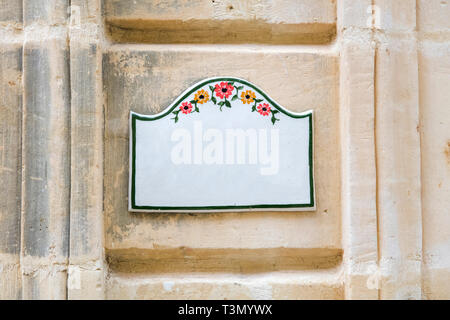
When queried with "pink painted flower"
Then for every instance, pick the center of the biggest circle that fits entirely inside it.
(263, 109)
(223, 90)
(186, 107)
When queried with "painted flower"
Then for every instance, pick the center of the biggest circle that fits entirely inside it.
(247, 96)
(263, 109)
(186, 107)
(223, 90)
(201, 96)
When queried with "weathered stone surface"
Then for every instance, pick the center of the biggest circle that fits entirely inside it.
(11, 11)
(10, 151)
(86, 205)
(354, 14)
(434, 79)
(10, 169)
(86, 273)
(205, 21)
(218, 260)
(434, 76)
(398, 170)
(290, 11)
(86, 265)
(133, 81)
(48, 12)
(46, 170)
(395, 16)
(293, 285)
(359, 208)
(85, 12)
(433, 16)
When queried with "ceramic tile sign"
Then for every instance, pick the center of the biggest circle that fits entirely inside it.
(222, 145)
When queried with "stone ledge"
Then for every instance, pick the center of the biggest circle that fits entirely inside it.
(217, 260)
(269, 22)
(277, 285)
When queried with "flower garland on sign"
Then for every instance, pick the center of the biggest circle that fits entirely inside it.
(220, 96)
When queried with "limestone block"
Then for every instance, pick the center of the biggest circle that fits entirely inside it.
(86, 281)
(86, 153)
(359, 208)
(86, 267)
(46, 169)
(10, 277)
(10, 169)
(434, 79)
(398, 169)
(303, 11)
(43, 278)
(224, 260)
(11, 11)
(205, 21)
(354, 14)
(86, 11)
(433, 16)
(86, 197)
(302, 285)
(146, 80)
(395, 16)
(49, 12)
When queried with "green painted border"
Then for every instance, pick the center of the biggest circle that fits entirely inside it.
(135, 117)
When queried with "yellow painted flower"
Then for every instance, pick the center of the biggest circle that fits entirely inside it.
(201, 96)
(247, 96)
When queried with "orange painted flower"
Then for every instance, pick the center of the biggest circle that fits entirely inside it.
(247, 96)
(201, 96)
(264, 109)
(186, 107)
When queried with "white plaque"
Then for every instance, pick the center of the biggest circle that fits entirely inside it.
(222, 145)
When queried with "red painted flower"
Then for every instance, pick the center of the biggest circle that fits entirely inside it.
(264, 109)
(223, 90)
(186, 107)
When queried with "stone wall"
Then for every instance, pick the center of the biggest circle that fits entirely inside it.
(375, 72)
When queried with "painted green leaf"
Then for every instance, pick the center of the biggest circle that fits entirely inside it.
(234, 97)
(221, 103)
(214, 100)
(273, 116)
(227, 103)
